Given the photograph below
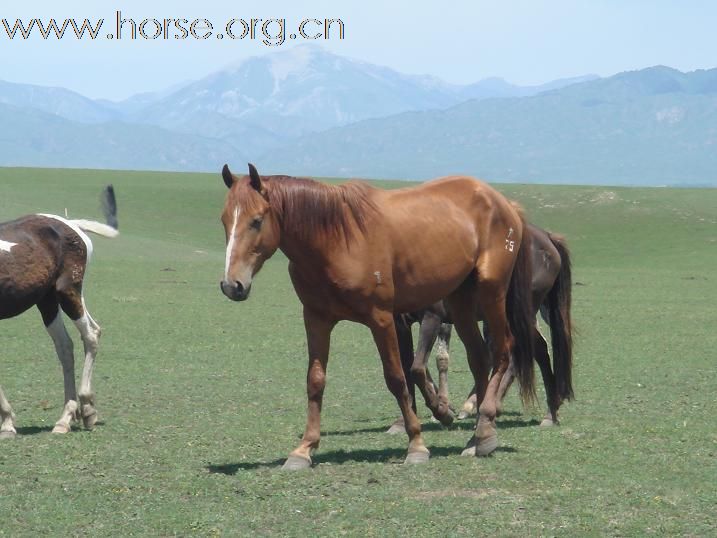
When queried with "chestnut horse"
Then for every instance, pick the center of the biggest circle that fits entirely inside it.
(551, 297)
(43, 259)
(362, 254)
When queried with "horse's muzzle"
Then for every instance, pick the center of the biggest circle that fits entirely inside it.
(235, 290)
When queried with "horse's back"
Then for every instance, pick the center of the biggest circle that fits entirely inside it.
(442, 231)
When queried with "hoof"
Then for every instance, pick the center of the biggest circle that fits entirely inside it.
(548, 423)
(447, 418)
(467, 411)
(89, 419)
(296, 463)
(8, 434)
(60, 428)
(396, 428)
(484, 447)
(417, 457)
(470, 449)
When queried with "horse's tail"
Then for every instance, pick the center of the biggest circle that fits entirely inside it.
(521, 319)
(109, 208)
(95, 227)
(558, 303)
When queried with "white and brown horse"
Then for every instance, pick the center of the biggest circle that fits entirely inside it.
(43, 259)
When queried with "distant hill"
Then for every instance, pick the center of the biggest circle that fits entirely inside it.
(306, 111)
(34, 138)
(654, 126)
(267, 101)
(59, 101)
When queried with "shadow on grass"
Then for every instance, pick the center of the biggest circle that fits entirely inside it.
(339, 457)
(33, 430)
(430, 426)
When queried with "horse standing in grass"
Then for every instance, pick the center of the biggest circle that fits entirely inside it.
(551, 297)
(43, 259)
(362, 254)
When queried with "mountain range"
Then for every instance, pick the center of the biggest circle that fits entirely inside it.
(307, 111)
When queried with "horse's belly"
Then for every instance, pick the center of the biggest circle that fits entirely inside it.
(422, 286)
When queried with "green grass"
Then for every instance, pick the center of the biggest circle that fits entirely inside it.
(200, 399)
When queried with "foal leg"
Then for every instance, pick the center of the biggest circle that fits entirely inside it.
(7, 418)
(442, 360)
(52, 318)
(384, 334)
(430, 327)
(470, 406)
(318, 336)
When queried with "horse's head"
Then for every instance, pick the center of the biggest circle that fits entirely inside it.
(251, 229)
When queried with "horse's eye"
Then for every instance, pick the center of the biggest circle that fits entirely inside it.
(256, 223)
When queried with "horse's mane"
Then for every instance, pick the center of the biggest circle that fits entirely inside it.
(309, 209)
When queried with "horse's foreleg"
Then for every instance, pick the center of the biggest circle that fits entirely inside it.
(7, 418)
(318, 337)
(90, 332)
(384, 334)
(52, 318)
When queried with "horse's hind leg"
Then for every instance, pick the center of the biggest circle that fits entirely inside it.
(384, 335)
(73, 304)
(7, 418)
(543, 359)
(90, 332)
(52, 318)
(462, 307)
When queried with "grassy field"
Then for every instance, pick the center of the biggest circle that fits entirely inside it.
(200, 399)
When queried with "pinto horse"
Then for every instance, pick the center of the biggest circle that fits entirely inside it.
(362, 254)
(43, 259)
(551, 297)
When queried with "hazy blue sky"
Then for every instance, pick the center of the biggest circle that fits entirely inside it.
(523, 41)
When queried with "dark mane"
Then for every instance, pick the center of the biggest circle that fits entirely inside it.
(309, 208)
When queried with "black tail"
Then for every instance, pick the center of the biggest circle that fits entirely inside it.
(109, 206)
(521, 317)
(558, 303)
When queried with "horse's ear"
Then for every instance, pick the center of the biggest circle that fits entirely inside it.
(254, 179)
(227, 176)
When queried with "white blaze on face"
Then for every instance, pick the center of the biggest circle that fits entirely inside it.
(230, 243)
(6, 246)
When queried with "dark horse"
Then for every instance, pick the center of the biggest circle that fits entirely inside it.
(362, 254)
(43, 259)
(551, 296)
